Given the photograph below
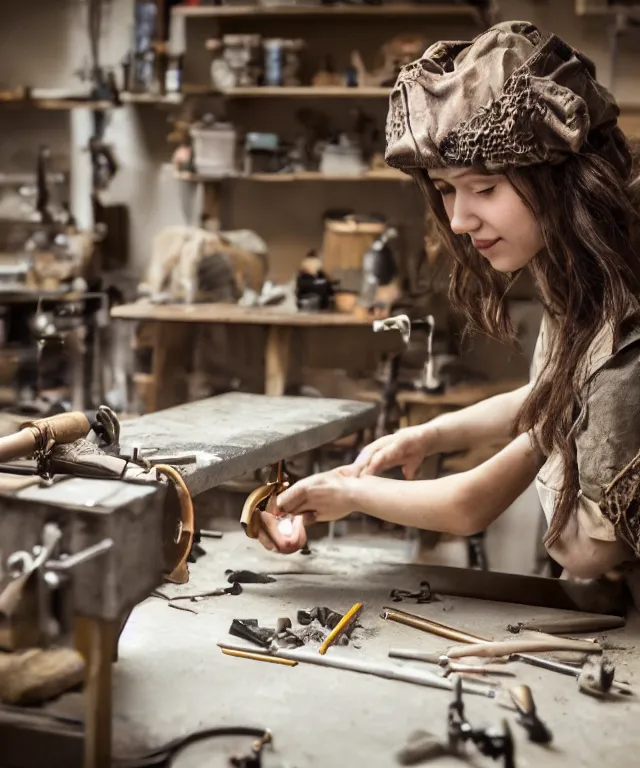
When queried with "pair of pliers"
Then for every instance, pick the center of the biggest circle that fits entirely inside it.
(258, 500)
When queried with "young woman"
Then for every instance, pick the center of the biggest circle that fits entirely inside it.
(516, 148)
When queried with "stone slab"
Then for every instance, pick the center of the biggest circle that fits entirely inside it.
(236, 432)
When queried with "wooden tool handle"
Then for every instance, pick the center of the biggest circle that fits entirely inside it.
(522, 646)
(62, 428)
(44, 433)
(17, 446)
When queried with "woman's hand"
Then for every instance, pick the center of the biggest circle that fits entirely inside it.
(407, 448)
(277, 538)
(322, 498)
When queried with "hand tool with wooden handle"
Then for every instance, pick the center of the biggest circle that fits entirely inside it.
(38, 437)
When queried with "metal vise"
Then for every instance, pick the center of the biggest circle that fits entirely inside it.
(82, 547)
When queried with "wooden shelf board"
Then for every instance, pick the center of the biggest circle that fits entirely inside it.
(274, 178)
(384, 11)
(277, 92)
(151, 98)
(55, 104)
(234, 314)
(284, 92)
(306, 91)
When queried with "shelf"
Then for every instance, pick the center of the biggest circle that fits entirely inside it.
(306, 176)
(260, 92)
(152, 98)
(307, 92)
(17, 99)
(383, 11)
(17, 222)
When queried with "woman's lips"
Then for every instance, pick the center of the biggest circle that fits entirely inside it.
(483, 245)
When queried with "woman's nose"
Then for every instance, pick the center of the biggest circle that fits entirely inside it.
(463, 221)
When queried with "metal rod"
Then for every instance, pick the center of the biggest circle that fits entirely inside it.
(66, 563)
(433, 627)
(401, 674)
(563, 669)
(259, 657)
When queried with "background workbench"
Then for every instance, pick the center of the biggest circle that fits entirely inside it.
(171, 324)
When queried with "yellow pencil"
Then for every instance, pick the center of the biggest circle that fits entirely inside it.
(340, 627)
(259, 657)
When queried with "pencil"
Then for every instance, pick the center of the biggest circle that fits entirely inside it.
(340, 627)
(259, 657)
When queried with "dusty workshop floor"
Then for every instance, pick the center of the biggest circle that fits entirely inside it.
(172, 679)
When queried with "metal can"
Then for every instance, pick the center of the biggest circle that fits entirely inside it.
(273, 60)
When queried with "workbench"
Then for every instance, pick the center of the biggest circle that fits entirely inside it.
(230, 435)
(171, 349)
(171, 678)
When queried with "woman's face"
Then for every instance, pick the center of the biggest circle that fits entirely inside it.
(488, 209)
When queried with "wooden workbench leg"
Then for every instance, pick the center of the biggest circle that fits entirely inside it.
(172, 350)
(277, 359)
(96, 639)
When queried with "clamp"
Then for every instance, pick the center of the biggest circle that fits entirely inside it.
(258, 500)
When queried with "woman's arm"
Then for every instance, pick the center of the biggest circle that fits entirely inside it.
(488, 420)
(484, 422)
(461, 504)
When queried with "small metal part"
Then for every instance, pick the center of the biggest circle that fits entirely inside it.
(248, 577)
(423, 595)
(596, 677)
(206, 534)
(174, 460)
(400, 323)
(522, 698)
(67, 562)
(235, 589)
(249, 629)
(182, 608)
(254, 759)
(283, 624)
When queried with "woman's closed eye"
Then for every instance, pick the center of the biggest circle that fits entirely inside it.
(446, 189)
(486, 191)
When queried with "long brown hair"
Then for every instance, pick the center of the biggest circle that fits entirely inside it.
(587, 275)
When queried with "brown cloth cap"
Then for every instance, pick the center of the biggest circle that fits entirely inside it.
(509, 97)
